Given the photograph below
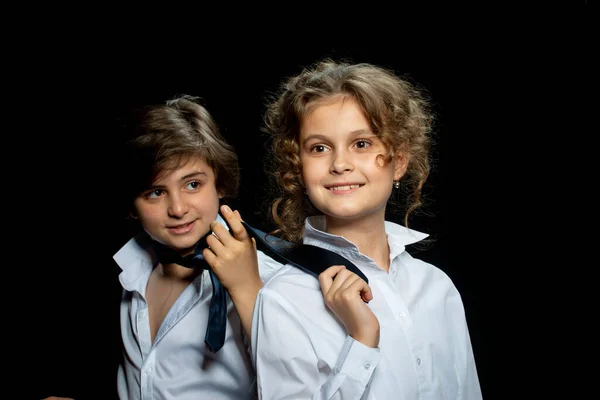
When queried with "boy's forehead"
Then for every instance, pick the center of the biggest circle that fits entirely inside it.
(182, 167)
(182, 161)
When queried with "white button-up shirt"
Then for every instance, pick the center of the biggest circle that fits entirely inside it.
(301, 351)
(178, 365)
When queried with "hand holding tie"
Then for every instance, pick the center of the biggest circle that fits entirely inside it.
(346, 294)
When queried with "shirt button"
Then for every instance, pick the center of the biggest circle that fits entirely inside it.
(367, 366)
(401, 314)
(148, 369)
(418, 361)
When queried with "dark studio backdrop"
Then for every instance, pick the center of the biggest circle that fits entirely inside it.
(497, 79)
(95, 90)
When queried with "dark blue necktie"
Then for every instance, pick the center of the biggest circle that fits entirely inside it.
(217, 314)
(310, 259)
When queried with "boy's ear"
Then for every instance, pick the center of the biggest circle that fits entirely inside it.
(401, 160)
(132, 213)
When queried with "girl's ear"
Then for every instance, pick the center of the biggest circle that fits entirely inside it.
(401, 160)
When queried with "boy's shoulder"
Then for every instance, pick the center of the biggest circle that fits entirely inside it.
(136, 248)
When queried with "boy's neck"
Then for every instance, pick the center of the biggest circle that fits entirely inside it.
(177, 272)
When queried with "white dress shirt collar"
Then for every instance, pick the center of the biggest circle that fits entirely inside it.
(398, 237)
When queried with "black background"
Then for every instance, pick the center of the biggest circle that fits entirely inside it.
(82, 298)
(80, 94)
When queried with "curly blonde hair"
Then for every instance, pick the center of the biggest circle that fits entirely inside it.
(398, 112)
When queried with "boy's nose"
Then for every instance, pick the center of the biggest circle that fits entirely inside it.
(177, 206)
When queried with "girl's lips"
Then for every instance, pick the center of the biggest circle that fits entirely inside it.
(344, 189)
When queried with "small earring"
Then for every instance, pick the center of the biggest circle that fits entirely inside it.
(397, 184)
(132, 216)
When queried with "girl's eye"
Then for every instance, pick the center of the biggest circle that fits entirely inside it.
(362, 144)
(318, 148)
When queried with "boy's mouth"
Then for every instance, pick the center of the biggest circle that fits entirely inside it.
(182, 228)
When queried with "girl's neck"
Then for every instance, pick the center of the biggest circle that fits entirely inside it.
(368, 234)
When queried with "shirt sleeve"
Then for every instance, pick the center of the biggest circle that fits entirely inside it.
(286, 362)
(466, 365)
(472, 388)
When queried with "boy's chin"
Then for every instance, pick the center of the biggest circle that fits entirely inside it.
(188, 244)
(181, 246)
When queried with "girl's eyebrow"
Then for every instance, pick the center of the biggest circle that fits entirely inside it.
(320, 137)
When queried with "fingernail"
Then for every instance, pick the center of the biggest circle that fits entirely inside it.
(226, 209)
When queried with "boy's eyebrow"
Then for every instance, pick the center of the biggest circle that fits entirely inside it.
(355, 133)
(192, 175)
(183, 178)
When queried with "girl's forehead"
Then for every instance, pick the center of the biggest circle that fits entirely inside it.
(340, 115)
(328, 100)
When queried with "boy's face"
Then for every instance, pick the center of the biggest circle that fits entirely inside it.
(180, 205)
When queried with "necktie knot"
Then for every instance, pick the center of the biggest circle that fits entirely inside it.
(167, 255)
(195, 260)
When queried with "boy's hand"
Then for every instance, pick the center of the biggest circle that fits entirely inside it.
(57, 398)
(234, 260)
(233, 257)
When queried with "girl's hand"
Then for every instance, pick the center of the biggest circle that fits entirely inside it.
(345, 294)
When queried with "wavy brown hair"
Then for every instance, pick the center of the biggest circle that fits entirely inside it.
(397, 110)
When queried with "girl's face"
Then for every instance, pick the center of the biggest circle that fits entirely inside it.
(343, 162)
(179, 207)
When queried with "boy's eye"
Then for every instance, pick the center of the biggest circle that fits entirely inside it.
(193, 185)
(154, 194)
